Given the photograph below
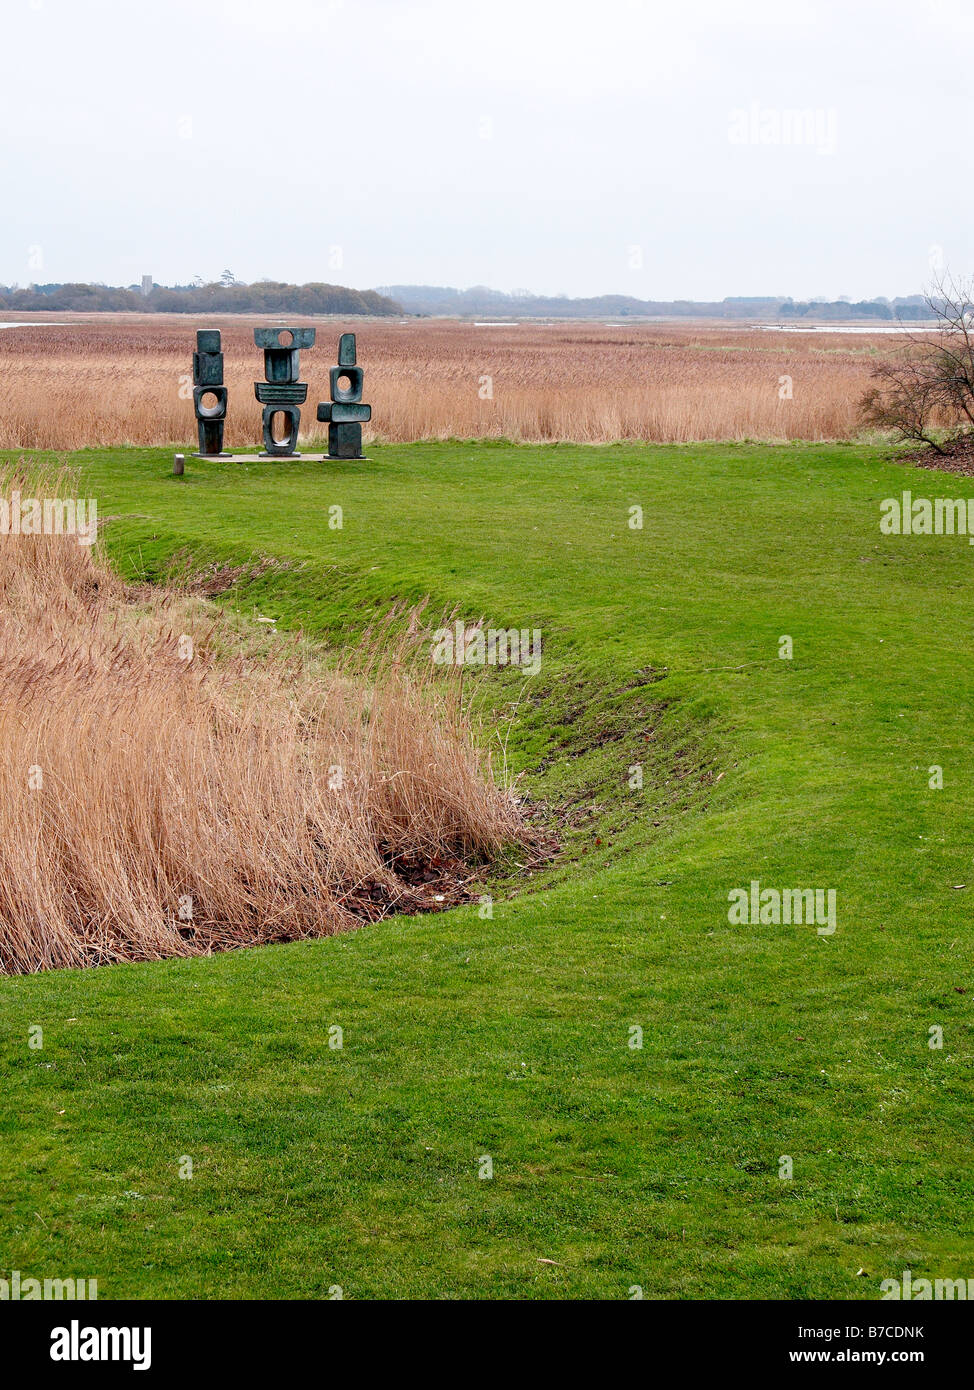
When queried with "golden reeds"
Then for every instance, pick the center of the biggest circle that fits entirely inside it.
(125, 380)
(171, 785)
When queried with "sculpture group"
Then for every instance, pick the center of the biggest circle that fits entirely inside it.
(281, 394)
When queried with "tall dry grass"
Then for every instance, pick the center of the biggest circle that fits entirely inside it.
(267, 796)
(123, 379)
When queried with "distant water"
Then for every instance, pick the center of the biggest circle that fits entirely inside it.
(750, 325)
(33, 325)
(912, 326)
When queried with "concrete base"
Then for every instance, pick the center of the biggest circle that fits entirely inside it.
(282, 458)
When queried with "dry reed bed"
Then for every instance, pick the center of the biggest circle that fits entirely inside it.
(153, 805)
(123, 380)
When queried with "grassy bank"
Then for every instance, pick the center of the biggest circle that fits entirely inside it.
(508, 1036)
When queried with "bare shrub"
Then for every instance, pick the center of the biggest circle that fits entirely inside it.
(926, 393)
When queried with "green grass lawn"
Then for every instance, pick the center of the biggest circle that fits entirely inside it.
(509, 1036)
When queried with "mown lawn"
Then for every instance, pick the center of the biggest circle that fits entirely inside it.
(613, 1166)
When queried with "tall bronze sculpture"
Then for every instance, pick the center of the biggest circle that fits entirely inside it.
(345, 412)
(282, 393)
(209, 393)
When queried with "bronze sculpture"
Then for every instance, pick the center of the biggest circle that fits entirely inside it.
(282, 393)
(345, 412)
(209, 393)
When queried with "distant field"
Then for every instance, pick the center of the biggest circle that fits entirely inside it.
(122, 379)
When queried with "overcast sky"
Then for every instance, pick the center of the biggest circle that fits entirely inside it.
(629, 146)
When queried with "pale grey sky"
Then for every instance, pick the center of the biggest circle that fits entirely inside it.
(630, 146)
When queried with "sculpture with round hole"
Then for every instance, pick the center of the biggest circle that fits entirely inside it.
(209, 393)
(345, 412)
(281, 393)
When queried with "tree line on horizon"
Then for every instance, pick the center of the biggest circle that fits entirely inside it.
(263, 297)
(480, 300)
(231, 296)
